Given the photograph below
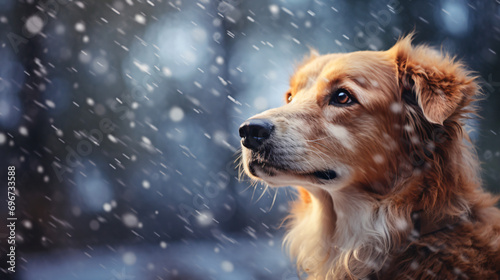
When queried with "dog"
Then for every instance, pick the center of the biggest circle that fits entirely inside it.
(388, 180)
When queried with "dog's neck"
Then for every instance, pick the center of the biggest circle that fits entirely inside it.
(350, 233)
(424, 223)
(341, 234)
(441, 191)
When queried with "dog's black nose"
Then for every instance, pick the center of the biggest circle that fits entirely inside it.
(254, 132)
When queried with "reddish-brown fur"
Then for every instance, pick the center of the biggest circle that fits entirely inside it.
(413, 181)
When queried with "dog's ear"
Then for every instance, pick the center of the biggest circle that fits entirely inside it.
(435, 81)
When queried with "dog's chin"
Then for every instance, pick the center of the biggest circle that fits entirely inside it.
(280, 177)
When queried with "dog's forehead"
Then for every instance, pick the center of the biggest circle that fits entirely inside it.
(368, 69)
(310, 69)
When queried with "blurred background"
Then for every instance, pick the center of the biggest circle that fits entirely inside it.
(121, 118)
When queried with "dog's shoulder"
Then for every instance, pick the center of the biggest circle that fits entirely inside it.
(467, 250)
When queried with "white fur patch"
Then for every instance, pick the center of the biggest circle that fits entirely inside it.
(342, 135)
(359, 244)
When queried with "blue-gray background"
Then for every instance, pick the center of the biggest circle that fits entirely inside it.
(121, 118)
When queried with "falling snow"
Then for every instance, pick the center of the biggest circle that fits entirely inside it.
(122, 119)
(34, 24)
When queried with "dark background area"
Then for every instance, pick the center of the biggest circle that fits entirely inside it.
(121, 119)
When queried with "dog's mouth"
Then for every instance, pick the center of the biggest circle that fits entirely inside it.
(271, 170)
(325, 175)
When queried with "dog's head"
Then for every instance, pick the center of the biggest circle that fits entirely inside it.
(352, 118)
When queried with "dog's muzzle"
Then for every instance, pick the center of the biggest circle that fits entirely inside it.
(255, 132)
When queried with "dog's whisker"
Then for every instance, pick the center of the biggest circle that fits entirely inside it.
(304, 160)
(319, 154)
(274, 200)
(319, 139)
(254, 185)
(263, 192)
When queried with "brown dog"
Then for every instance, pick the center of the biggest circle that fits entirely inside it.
(389, 181)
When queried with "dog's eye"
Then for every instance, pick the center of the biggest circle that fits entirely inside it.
(341, 98)
(288, 97)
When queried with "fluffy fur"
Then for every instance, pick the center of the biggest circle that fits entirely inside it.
(407, 201)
